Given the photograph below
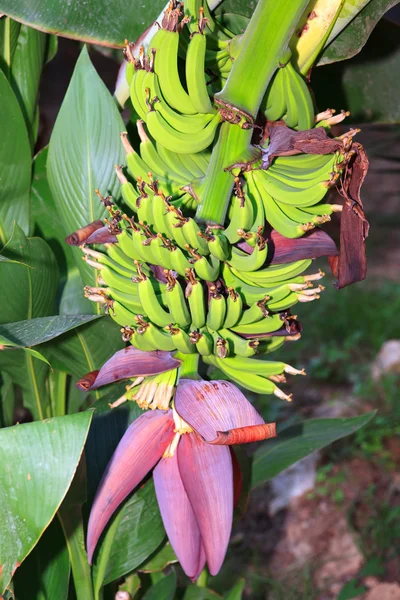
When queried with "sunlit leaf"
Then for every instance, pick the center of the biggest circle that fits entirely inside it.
(37, 331)
(164, 557)
(37, 464)
(349, 36)
(9, 31)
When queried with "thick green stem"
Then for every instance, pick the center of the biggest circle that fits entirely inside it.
(189, 366)
(232, 146)
(265, 41)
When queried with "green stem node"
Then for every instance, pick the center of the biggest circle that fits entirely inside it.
(189, 366)
(233, 145)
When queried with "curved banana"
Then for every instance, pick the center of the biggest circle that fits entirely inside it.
(195, 81)
(176, 302)
(216, 310)
(195, 296)
(176, 141)
(166, 44)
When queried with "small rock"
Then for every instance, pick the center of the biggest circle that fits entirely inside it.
(384, 591)
(293, 482)
(388, 360)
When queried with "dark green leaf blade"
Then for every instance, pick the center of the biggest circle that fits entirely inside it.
(165, 588)
(37, 331)
(299, 441)
(105, 23)
(37, 464)
(45, 572)
(15, 164)
(354, 36)
(84, 148)
(26, 69)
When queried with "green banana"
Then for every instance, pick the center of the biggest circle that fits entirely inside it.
(196, 84)
(152, 335)
(216, 310)
(267, 325)
(149, 300)
(176, 141)
(166, 44)
(181, 340)
(249, 262)
(195, 296)
(205, 269)
(234, 307)
(238, 345)
(176, 302)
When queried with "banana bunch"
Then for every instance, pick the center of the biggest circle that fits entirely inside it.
(179, 285)
(288, 97)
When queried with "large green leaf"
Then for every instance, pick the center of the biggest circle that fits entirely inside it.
(26, 69)
(351, 39)
(105, 23)
(299, 441)
(27, 292)
(37, 464)
(83, 151)
(15, 164)
(45, 572)
(40, 330)
(136, 530)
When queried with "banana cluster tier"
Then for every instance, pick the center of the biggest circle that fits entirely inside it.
(174, 280)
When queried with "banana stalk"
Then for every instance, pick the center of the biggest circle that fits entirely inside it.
(265, 42)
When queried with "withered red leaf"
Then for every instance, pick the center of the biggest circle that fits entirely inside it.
(81, 235)
(351, 264)
(287, 142)
(101, 236)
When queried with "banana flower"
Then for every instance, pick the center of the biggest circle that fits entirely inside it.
(195, 474)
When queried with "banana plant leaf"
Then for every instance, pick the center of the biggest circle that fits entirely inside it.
(98, 22)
